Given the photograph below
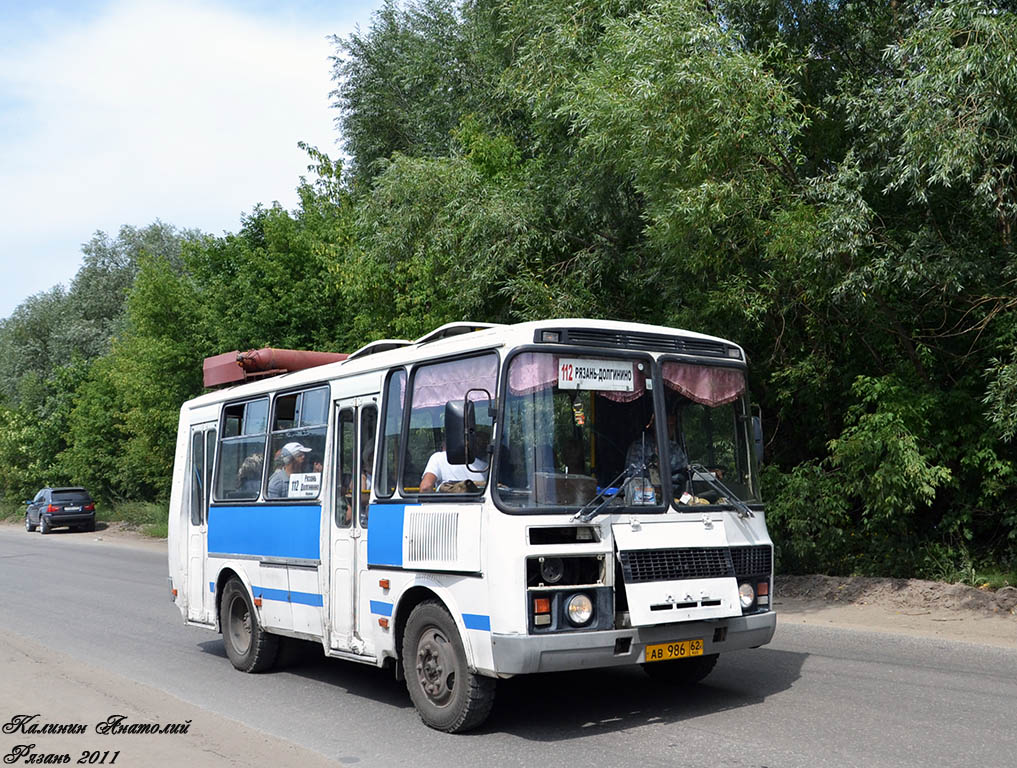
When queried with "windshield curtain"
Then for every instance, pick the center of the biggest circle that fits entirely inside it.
(570, 423)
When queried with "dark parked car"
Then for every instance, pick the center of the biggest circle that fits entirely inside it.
(55, 507)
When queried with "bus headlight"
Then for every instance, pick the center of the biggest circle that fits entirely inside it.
(579, 609)
(746, 594)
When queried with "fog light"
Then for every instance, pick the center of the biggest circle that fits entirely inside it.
(580, 609)
(746, 594)
(551, 569)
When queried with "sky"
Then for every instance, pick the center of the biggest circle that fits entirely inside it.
(118, 112)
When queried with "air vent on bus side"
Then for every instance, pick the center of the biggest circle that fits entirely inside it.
(437, 539)
(640, 340)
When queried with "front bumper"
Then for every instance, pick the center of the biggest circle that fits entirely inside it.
(526, 654)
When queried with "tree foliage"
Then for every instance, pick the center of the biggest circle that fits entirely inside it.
(830, 183)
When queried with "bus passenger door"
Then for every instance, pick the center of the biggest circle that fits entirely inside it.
(200, 599)
(355, 430)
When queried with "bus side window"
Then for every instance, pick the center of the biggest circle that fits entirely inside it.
(426, 468)
(197, 477)
(368, 430)
(395, 396)
(241, 454)
(297, 444)
(344, 470)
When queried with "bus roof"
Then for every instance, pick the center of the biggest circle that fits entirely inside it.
(458, 337)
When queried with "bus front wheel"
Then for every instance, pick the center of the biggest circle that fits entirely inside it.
(447, 695)
(249, 647)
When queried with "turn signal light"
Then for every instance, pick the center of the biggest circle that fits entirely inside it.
(383, 583)
(383, 623)
(542, 605)
(257, 602)
(90, 507)
(763, 588)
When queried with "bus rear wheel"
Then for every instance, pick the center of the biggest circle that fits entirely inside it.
(249, 647)
(447, 695)
(681, 671)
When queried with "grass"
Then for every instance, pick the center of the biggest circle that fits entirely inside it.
(148, 518)
(11, 511)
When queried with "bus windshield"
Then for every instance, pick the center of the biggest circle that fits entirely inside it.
(584, 431)
(569, 424)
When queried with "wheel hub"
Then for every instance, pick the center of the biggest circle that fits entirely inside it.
(240, 626)
(435, 667)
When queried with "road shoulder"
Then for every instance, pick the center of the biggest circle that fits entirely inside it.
(64, 692)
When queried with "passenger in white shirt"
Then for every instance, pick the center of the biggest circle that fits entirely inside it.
(439, 471)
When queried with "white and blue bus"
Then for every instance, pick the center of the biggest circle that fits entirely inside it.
(483, 502)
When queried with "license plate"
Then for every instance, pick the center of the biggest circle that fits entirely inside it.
(72, 509)
(681, 649)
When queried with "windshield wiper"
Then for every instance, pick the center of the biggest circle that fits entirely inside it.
(699, 472)
(585, 514)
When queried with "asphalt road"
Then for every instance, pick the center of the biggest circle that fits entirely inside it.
(814, 697)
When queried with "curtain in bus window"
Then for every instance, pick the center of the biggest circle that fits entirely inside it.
(705, 384)
(532, 372)
(437, 384)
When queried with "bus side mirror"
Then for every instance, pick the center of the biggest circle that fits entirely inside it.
(757, 436)
(460, 428)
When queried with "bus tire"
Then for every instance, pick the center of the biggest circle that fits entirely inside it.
(249, 647)
(681, 671)
(447, 696)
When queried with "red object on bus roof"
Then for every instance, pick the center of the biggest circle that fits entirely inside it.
(235, 367)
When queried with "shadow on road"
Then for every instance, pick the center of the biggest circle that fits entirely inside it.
(305, 659)
(569, 705)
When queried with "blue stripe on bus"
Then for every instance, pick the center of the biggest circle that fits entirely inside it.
(286, 596)
(266, 530)
(380, 608)
(477, 621)
(385, 534)
(211, 587)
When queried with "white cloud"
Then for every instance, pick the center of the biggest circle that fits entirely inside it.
(171, 110)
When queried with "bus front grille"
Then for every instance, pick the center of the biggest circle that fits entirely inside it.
(752, 561)
(644, 565)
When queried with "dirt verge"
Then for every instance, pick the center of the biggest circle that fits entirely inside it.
(907, 594)
(902, 606)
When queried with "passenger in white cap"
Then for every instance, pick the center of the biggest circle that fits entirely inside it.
(292, 456)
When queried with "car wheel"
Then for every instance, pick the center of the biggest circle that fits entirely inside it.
(447, 695)
(681, 671)
(28, 524)
(249, 647)
(44, 526)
